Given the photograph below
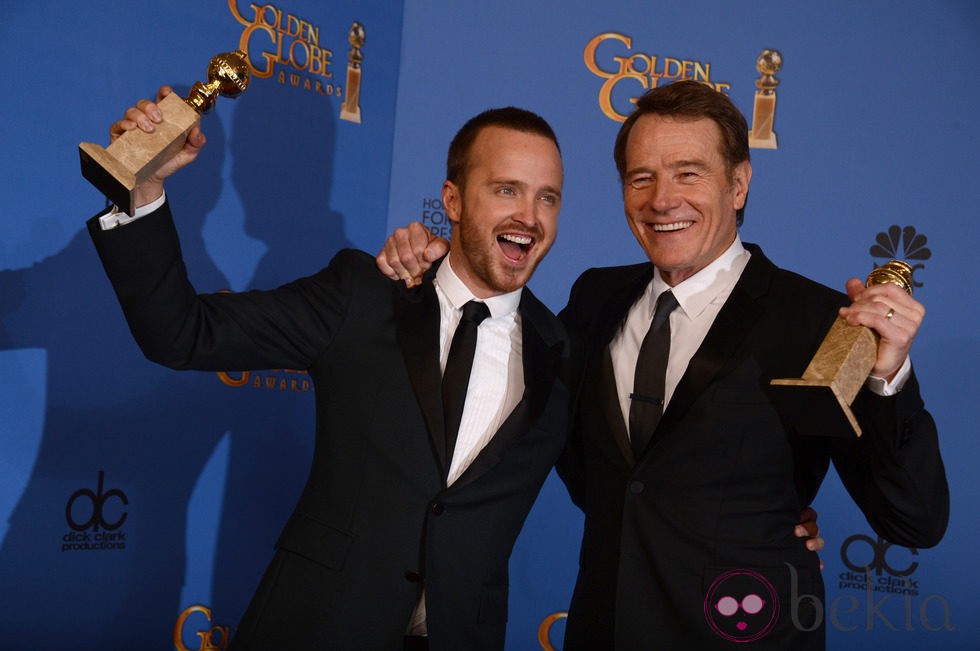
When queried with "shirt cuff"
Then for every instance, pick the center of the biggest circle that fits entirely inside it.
(117, 217)
(882, 387)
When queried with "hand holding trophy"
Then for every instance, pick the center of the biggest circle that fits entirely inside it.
(839, 369)
(134, 156)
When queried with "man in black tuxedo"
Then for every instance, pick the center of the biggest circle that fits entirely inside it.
(689, 506)
(402, 535)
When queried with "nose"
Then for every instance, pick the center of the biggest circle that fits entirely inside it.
(527, 211)
(663, 197)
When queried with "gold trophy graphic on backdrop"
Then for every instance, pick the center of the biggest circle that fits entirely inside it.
(761, 135)
(350, 110)
(838, 370)
(134, 156)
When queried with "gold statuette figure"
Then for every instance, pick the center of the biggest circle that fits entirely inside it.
(133, 157)
(838, 370)
(350, 110)
(764, 111)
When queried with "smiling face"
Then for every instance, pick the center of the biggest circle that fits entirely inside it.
(505, 211)
(680, 196)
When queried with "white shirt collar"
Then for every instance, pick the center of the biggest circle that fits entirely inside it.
(459, 294)
(695, 293)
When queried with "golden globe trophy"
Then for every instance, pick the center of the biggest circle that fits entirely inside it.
(350, 110)
(134, 156)
(819, 403)
(764, 111)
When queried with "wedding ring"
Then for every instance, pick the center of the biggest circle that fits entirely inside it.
(891, 313)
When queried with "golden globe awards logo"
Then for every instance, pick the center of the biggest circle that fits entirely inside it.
(277, 379)
(288, 48)
(212, 637)
(609, 57)
(628, 75)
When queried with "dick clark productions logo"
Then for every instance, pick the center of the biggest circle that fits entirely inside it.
(95, 517)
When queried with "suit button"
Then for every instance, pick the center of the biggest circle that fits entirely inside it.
(438, 508)
(637, 487)
(412, 576)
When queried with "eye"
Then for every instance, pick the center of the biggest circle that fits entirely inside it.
(640, 181)
(549, 199)
(752, 604)
(688, 176)
(727, 606)
(506, 190)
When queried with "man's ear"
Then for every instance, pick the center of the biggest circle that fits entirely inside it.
(741, 178)
(451, 200)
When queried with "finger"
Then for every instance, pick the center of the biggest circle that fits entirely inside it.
(116, 129)
(163, 92)
(418, 236)
(407, 254)
(393, 262)
(808, 515)
(807, 529)
(142, 119)
(895, 325)
(195, 140)
(815, 544)
(151, 110)
(437, 248)
(888, 294)
(388, 263)
(382, 261)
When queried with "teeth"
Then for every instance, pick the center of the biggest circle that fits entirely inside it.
(517, 239)
(676, 226)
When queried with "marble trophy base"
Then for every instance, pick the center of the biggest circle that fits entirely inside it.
(133, 157)
(819, 403)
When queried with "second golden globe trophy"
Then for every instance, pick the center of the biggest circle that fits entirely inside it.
(762, 136)
(350, 110)
(819, 403)
(134, 156)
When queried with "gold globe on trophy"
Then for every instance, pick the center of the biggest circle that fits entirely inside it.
(838, 370)
(134, 156)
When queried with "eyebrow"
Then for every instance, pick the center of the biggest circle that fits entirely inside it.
(521, 184)
(700, 164)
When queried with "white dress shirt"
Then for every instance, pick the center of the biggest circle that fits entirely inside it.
(496, 378)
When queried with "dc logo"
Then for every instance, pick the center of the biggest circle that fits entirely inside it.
(879, 556)
(91, 505)
(741, 606)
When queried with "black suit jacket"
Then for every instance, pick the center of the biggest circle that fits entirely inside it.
(376, 522)
(709, 508)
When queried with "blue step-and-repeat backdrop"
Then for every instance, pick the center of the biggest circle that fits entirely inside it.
(138, 506)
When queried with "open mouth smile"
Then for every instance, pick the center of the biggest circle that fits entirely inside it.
(515, 246)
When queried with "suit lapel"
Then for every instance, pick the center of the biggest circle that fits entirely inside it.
(416, 314)
(734, 322)
(541, 354)
(611, 315)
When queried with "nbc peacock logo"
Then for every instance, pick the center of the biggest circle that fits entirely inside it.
(904, 243)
